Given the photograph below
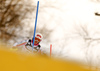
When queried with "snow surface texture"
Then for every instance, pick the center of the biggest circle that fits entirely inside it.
(74, 28)
(76, 33)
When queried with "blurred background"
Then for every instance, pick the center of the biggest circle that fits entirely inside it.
(71, 26)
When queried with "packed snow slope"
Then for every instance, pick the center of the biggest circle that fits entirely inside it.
(11, 61)
(75, 29)
(71, 26)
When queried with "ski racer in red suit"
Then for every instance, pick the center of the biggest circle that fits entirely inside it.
(29, 43)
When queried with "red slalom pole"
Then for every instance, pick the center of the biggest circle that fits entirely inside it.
(50, 49)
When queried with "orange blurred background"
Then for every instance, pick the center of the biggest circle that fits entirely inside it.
(14, 61)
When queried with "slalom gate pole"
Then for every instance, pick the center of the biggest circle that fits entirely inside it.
(50, 49)
(35, 24)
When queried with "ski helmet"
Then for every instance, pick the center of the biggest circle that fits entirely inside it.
(39, 36)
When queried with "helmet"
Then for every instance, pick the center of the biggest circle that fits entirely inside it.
(39, 36)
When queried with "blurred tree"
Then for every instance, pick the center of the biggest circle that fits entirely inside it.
(12, 13)
(97, 14)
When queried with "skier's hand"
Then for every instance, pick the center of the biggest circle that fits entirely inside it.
(36, 48)
(14, 49)
(28, 43)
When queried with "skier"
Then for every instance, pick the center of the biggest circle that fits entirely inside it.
(29, 43)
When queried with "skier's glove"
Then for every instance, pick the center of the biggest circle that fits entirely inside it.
(29, 43)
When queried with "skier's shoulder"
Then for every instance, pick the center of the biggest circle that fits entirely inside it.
(29, 40)
(39, 45)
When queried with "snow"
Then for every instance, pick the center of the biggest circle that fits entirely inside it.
(72, 23)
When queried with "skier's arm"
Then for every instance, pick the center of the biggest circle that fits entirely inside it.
(19, 44)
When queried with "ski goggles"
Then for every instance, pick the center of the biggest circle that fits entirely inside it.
(37, 39)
